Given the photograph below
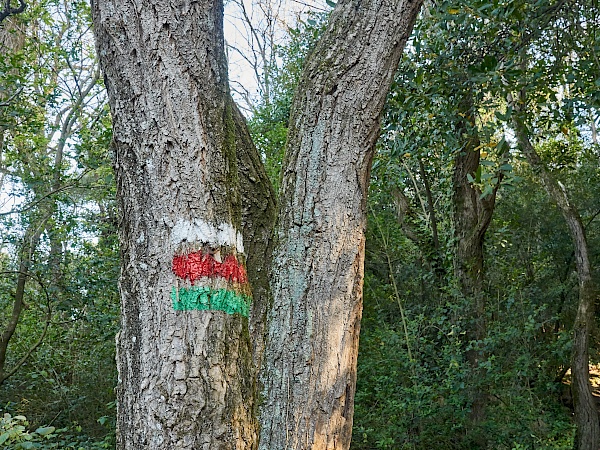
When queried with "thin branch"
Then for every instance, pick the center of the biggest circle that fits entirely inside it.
(11, 11)
(417, 191)
(12, 97)
(47, 322)
(317, 8)
(43, 197)
(396, 292)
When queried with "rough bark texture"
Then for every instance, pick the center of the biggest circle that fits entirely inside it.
(586, 414)
(185, 377)
(309, 370)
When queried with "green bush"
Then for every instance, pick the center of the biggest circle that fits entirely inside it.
(15, 435)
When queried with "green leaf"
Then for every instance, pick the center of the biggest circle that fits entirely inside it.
(489, 63)
(478, 174)
(487, 191)
(43, 431)
(4, 437)
(504, 117)
(331, 3)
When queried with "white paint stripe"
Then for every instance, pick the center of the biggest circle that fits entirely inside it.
(199, 231)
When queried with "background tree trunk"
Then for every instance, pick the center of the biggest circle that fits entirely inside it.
(472, 217)
(27, 250)
(309, 375)
(185, 375)
(586, 414)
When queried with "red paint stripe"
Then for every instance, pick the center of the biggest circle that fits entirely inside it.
(192, 266)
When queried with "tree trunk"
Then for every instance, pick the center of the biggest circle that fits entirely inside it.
(182, 154)
(258, 218)
(12, 39)
(472, 217)
(586, 414)
(184, 352)
(31, 239)
(309, 371)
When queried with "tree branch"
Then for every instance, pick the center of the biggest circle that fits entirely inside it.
(23, 360)
(9, 10)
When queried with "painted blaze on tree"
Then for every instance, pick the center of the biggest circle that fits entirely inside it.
(209, 270)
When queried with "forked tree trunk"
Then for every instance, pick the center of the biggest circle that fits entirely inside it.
(182, 154)
(309, 372)
(186, 376)
(586, 414)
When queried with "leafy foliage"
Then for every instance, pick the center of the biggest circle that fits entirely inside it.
(59, 303)
(14, 435)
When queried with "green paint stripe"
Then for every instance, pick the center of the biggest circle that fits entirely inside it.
(205, 298)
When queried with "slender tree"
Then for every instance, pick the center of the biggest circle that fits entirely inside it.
(586, 413)
(38, 158)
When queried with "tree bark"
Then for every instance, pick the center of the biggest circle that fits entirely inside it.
(586, 414)
(258, 218)
(182, 157)
(309, 371)
(184, 352)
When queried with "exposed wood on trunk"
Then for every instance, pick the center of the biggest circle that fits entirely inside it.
(586, 414)
(309, 375)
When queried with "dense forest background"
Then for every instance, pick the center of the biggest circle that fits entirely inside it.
(457, 350)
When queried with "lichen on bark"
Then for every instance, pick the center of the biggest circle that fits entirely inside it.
(309, 371)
